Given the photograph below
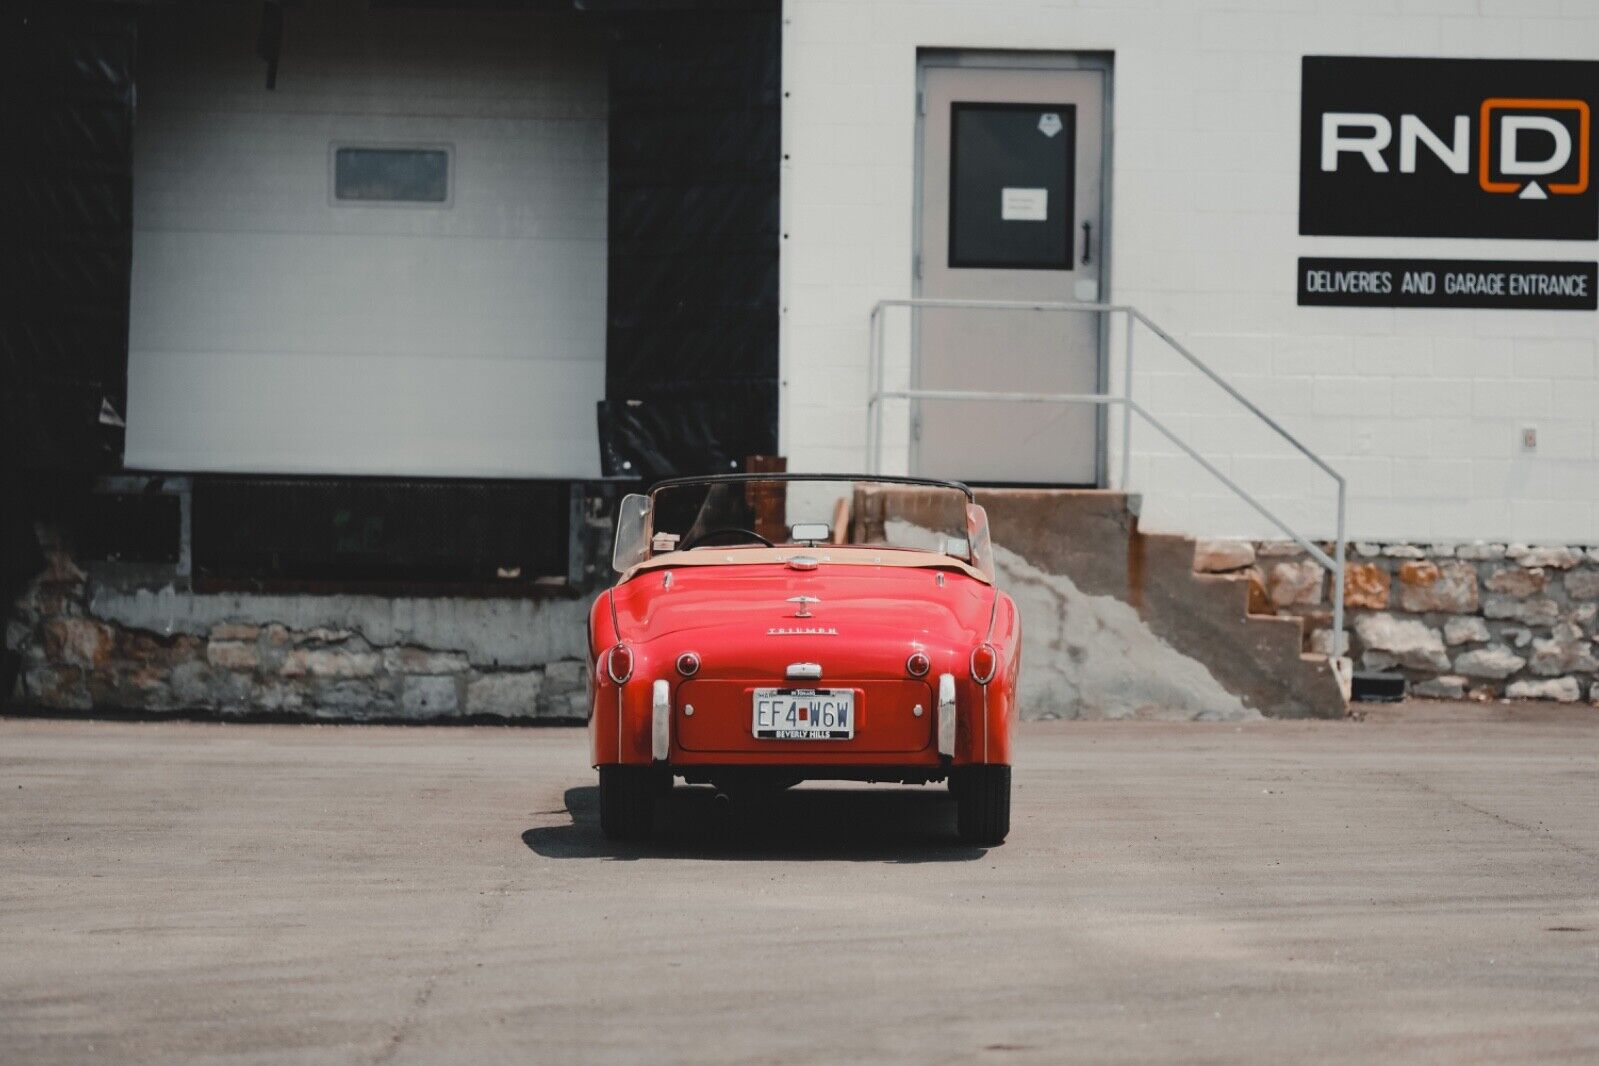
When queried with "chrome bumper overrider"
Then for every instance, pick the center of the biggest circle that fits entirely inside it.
(946, 715)
(661, 721)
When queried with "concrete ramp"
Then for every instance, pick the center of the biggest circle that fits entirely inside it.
(1089, 656)
(1092, 538)
(1116, 623)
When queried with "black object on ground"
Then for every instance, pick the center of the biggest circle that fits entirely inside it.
(1371, 686)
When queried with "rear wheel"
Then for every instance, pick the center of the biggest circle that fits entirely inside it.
(982, 803)
(627, 801)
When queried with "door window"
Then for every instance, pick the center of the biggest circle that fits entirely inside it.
(1011, 188)
(392, 175)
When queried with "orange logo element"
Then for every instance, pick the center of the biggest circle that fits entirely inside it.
(1486, 138)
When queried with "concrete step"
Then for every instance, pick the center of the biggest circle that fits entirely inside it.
(1256, 604)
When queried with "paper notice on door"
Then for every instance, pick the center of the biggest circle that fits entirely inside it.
(1023, 205)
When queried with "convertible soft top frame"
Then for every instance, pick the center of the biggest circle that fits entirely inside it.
(878, 479)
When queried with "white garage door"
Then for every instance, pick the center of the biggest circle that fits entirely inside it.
(393, 263)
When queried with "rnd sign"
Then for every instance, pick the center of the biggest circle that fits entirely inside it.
(1447, 148)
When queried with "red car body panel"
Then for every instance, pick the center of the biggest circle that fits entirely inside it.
(865, 624)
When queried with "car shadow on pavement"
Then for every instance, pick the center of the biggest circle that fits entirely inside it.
(898, 825)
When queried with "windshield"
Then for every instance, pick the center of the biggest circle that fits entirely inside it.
(807, 512)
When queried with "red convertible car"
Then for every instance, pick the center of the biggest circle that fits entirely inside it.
(768, 629)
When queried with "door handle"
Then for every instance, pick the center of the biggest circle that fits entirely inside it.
(1088, 237)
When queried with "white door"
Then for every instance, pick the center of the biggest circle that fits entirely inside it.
(1011, 194)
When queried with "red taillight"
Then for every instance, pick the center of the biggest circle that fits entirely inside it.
(619, 664)
(918, 664)
(984, 662)
(688, 664)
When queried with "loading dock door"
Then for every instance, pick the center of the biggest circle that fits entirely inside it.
(393, 263)
(1011, 178)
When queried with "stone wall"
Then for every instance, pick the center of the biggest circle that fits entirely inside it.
(1478, 620)
(87, 641)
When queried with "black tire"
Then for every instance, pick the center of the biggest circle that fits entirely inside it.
(982, 798)
(627, 801)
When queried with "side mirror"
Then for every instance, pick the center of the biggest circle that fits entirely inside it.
(810, 532)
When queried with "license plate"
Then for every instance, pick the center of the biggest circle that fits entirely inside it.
(804, 714)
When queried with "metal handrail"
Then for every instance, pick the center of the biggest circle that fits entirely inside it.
(874, 416)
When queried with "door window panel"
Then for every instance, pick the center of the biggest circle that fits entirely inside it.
(395, 175)
(1011, 186)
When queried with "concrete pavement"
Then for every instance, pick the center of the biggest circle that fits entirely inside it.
(1422, 886)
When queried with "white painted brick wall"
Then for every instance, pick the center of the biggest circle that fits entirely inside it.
(1422, 409)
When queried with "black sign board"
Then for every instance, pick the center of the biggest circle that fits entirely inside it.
(1447, 148)
(1524, 284)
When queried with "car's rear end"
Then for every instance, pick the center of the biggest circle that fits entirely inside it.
(751, 665)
